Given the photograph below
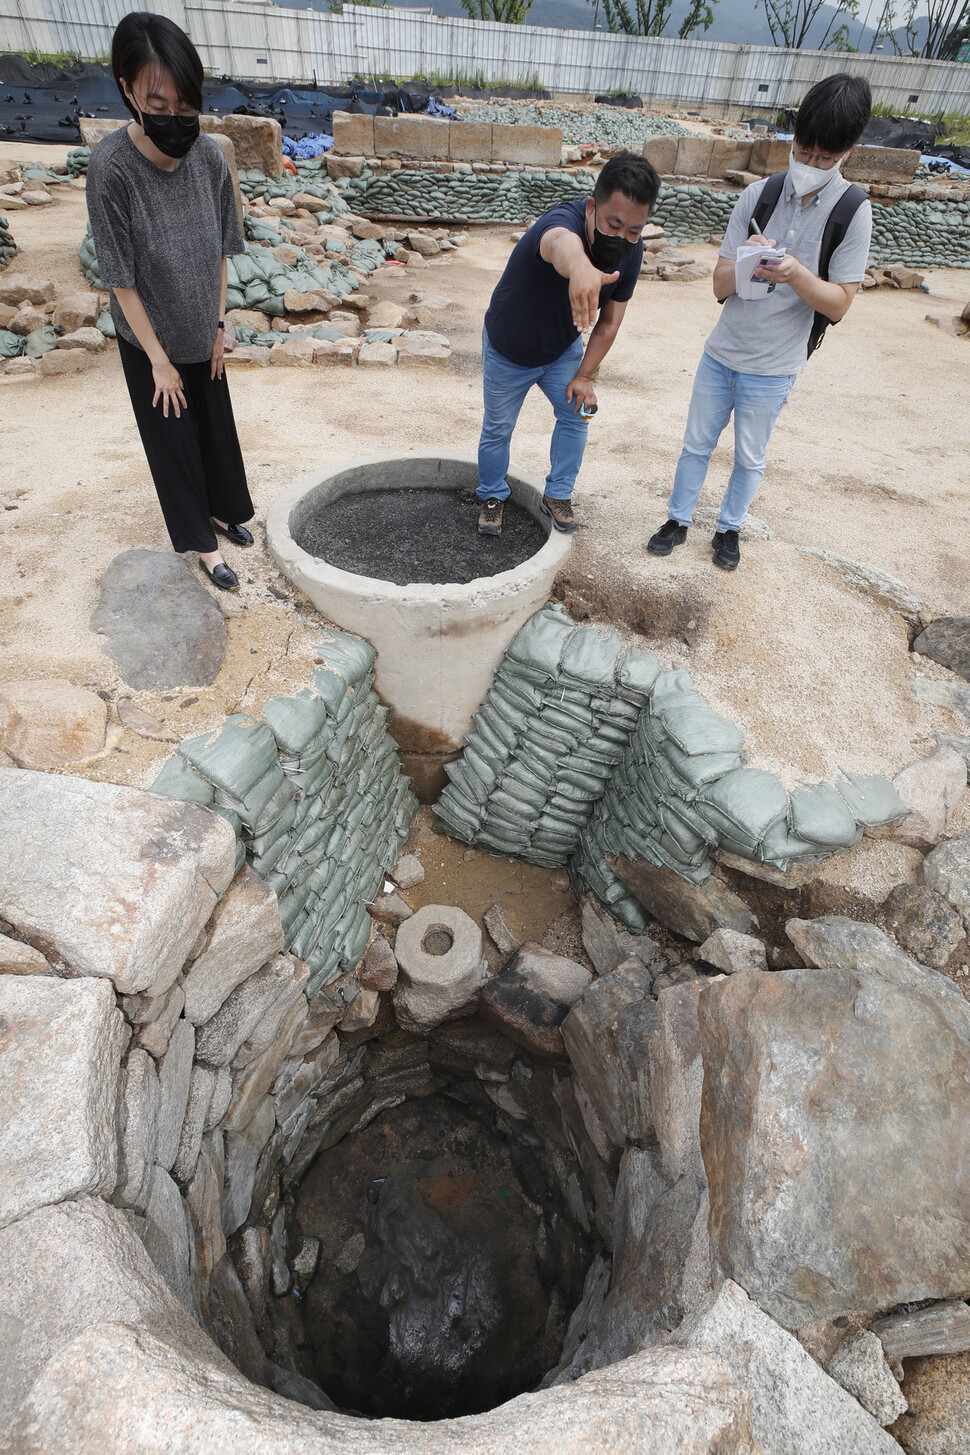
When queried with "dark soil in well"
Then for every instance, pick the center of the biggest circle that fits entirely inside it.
(411, 536)
(430, 1299)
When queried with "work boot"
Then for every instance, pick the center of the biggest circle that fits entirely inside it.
(560, 512)
(727, 552)
(490, 518)
(670, 534)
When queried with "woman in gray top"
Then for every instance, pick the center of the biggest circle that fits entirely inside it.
(163, 216)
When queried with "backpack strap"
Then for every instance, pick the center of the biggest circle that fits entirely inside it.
(766, 203)
(836, 227)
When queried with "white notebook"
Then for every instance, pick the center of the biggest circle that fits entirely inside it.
(748, 259)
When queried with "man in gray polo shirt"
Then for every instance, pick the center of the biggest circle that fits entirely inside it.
(759, 346)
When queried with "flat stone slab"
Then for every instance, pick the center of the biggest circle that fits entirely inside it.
(106, 880)
(60, 1051)
(163, 629)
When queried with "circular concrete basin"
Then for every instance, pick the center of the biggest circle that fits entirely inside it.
(437, 645)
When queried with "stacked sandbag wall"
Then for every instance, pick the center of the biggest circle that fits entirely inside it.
(316, 797)
(584, 749)
(547, 740)
(684, 790)
(919, 234)
(7, 245)
(930, 234)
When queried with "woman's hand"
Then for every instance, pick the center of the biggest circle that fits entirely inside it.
(218, 354)
(168, 388)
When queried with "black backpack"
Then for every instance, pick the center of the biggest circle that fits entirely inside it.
(833, 233)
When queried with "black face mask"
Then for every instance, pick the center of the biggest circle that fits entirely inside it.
(173, 135)
(609, 251)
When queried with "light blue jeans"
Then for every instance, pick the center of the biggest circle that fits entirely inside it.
(506, 385)
(757, 401)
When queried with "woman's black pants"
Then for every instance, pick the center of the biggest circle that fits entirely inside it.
(196, 462)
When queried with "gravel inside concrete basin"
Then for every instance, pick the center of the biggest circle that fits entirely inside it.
(408, 536)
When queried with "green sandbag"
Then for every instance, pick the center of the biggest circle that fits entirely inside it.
(106, 324)
(591, 656)
(178, 780)
(820, 816)
(11, 344)
(351, 656)
(540, 642)
(40, 342)
(701, 768)
(236, 756)
(637, 671)
(697, 729)
(245, 269)
(748, 800)
(296, 720)
(780, 845)
(673, 683)
(871, 799)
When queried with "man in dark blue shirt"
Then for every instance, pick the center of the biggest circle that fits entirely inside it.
(579, 260)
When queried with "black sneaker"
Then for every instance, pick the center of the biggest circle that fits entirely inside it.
(727, 552)
(490, 518)
(670, 534)
(560, 512)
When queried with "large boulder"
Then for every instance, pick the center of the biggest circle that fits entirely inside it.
(947, 870)
(947, 641)
(938, 1419)
(692, 910)
(661, 1264)
(80, 1266)
(606, 1035)
(836, 1110)
(163, 628)
(110, 880)
(60, 1052)
(796, 1409)
(531, 997)
(245, 932)
(50, 723)
(930, 788)
(119, 1388)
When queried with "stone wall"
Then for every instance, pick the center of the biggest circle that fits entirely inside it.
(706, 156)
(429, 138)
(166, 1080)
(584, 749)
(315, 796)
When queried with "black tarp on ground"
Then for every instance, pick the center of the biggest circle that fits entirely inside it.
(901, 131)
(42, 102)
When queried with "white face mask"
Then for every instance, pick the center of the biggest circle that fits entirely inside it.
(807, 179)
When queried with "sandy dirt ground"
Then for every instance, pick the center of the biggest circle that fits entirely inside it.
(869, 459)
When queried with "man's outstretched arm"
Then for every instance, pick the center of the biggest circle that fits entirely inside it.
(565, 251)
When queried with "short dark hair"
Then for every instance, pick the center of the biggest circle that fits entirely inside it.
(634, 176)
(833, 115)
(142, 39)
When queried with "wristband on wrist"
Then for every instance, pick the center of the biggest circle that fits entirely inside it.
(221, 323)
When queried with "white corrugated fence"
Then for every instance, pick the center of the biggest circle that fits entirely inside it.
(255, 39)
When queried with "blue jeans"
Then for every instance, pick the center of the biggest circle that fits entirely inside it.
(506, 385)
(757, 401)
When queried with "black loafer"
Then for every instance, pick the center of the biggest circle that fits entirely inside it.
(221, 575)
(238, 534)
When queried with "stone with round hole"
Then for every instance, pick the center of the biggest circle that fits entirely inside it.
(439, 950)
